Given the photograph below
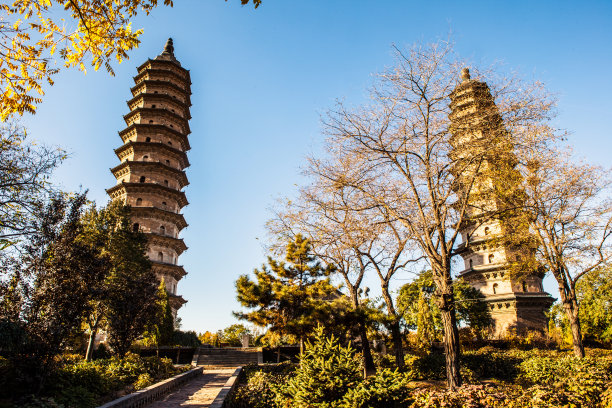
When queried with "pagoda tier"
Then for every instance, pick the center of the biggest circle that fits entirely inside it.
(176, 301)
(177, 271)
(155, 100)
(152, 133)
(152, 151)
(151, 173)
(155, 115)
(170, 199)
(157, 214)
(131, 171)
(516, 298)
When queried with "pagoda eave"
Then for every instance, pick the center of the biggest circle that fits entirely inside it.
(173, 64)
(482, 269)
(473, 244)
(156, 112)
(143, 96)
(154, 82)
(155, 145)
(126, 167)
(123, 188)
(176, 301)
(164, 268)
(160, 214)
(167, 241)
(540, 298)
(184, 80)
(148, 126)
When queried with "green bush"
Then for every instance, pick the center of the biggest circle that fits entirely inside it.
(606, 397)
(81, 384)
(566, 381)
(159, 367)
(35, 402)
(143, 381)
(258, 392)
(489, 364)
(386, 389)
(326, 372)
(257, 385)
(427, 367)
(330, 377)
(126, 369)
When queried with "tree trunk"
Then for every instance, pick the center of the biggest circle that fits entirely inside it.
(571, 310)
(368, 362)
(93, 331)
(568, 300)
(398, 350)
(451, 342)
(396, 335)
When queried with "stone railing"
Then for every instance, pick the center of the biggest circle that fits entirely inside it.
(146, 396)
(229, 386)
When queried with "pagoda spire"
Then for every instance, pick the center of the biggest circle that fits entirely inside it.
(169, 47)
(168, 53)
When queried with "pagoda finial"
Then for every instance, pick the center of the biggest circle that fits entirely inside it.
(465, 74)
(169, 48)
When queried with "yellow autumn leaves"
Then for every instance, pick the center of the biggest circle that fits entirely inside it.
(31, 41)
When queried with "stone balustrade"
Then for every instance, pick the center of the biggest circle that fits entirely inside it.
(150, 394)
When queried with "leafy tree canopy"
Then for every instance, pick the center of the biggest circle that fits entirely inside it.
(233, 334)
(421, 312)
(594, 293)
(161, 329)
(49, 283)
(132, 285)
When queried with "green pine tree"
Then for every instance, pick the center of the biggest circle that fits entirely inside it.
(288, 296)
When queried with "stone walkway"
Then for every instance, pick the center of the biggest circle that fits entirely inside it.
(199, 392)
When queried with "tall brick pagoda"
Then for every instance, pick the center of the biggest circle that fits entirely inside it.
(512, 285)
(153, 159)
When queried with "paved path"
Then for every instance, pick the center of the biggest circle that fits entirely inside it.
(199, 392)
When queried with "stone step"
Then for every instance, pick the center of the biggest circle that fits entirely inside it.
(228, 357)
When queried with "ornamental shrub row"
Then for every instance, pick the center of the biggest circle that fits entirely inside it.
(329, 377)
(81, 384)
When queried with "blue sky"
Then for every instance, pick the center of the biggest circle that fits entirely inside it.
(261, 79)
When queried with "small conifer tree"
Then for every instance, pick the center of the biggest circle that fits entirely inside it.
(161, 331)
(326, 373)
(292, 297)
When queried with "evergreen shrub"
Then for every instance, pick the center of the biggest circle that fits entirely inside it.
(326, 372)
(386, 389)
